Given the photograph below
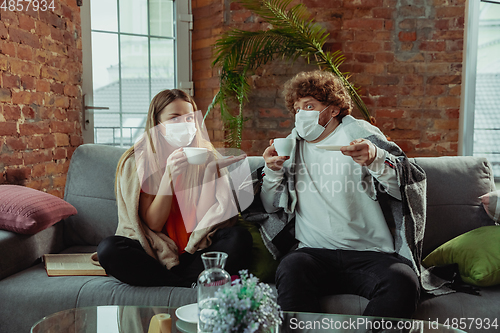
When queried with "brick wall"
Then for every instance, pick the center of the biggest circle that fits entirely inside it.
(40, 95)
(405, 55)
(208, 24)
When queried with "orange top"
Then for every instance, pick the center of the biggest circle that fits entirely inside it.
(179, 221)
(175, 228)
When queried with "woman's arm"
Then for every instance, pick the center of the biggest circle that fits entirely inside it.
(154, 210)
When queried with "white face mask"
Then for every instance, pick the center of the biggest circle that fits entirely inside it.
(179, 134)
(306, 124)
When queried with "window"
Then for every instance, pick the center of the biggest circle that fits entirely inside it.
(482, 83)
(132, 50)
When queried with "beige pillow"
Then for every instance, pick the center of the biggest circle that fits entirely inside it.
(491, 204)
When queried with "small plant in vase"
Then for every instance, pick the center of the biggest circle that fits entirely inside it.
(247, 306)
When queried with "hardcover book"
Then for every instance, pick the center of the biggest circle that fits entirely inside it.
(64, 264)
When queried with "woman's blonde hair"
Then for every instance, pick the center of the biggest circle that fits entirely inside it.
(323, 86)
(152, 142)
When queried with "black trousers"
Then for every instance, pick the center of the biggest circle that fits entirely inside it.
(126, 260)
(307, 274)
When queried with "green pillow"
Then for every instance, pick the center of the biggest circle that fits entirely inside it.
(263, 264)
(477, 254)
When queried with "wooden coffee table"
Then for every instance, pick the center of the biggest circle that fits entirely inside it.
(132, 319)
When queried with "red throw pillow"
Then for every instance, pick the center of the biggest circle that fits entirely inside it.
(27, 211)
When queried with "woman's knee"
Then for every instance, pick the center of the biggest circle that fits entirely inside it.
(106, 248)
(243, 237)
(111, 248)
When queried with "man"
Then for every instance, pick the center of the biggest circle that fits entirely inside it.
(347, 242)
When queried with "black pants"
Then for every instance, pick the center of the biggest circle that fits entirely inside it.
(307, 274)
(126, 260)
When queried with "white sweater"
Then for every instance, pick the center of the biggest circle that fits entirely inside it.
(333, 211)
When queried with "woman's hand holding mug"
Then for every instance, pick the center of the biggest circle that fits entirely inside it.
(176, 163)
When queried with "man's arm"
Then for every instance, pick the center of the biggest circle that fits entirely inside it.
(273, 171)
(384, 170)
(378, 161)
(270, 183)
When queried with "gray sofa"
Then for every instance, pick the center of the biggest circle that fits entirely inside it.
(27, 294)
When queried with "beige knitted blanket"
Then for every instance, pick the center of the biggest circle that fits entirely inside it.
(157, 244)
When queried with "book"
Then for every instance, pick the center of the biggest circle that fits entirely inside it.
(65, 264)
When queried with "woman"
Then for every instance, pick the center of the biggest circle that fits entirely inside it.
(170, 211)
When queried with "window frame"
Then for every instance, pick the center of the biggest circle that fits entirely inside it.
(183, 26)
(466, 144)
(469, 76)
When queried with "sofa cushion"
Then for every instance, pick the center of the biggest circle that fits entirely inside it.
(110, 291)
(30, 295)
(27, 211)
(56, 293)
(462, 305)
(454, 185)
(90, 188)
(445, 307)
(477, 254)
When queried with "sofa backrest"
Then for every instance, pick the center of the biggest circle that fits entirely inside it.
(454, 185)
(90, 188)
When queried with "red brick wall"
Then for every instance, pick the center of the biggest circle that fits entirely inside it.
(40, 95)
(405, 55)
(208, 24)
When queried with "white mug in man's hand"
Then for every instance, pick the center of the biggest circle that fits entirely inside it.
(283, 146)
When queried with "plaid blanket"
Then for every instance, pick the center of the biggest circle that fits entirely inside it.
(406, 218)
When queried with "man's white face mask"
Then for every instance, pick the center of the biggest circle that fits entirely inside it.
(179, 134)
(306, 124)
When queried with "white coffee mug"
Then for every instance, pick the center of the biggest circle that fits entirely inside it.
(196, 155)
(283, 146)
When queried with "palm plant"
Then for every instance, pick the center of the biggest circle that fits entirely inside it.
(239, 52)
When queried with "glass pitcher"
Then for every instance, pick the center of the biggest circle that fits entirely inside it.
(213, 278)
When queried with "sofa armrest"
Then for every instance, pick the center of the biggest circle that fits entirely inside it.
(18, 252)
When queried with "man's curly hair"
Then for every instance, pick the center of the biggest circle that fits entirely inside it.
(324, 86)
